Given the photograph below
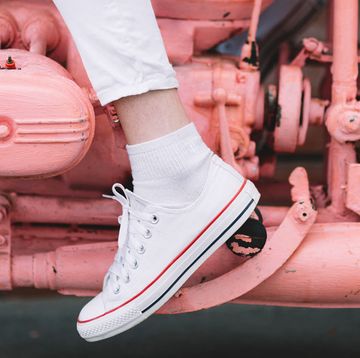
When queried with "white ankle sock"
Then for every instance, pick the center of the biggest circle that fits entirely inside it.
(171, 169)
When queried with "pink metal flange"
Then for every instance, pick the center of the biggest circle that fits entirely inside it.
(289, 108)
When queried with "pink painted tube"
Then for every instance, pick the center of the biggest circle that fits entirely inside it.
(345, 40)
(321, 272)
(254, 20)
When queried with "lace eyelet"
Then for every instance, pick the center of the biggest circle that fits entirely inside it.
(117, 290)
(136, 265)
(154, 219)
(141, 249)
(147, 234)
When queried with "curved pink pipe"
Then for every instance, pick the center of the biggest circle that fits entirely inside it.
(321, 273)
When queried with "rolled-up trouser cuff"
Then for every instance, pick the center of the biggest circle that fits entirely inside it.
(116, 91)
(120, 45)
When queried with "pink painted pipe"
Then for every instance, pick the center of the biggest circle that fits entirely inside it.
(345, 47)
(314, 276)
(323, 272)
(209, 10)
(343, 115)
(40, 33)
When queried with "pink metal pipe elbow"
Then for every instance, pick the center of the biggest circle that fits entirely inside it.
(40, 33)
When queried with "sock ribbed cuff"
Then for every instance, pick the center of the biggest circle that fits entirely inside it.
(167, 156)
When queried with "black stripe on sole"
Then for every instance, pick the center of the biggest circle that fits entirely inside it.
(187, 269)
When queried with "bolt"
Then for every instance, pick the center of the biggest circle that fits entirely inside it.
(310, 44)
(302, 211)
(240, 78)
(178, 294)
(2, 240)
(10, 63)
(351, 123)
(4, 130)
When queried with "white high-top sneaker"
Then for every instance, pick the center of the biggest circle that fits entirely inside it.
(161, 246)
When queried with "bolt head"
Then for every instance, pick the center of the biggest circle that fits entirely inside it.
(302, 212)
(351, 123)
(4, 130)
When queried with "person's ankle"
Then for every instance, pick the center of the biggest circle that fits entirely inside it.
(172, 168)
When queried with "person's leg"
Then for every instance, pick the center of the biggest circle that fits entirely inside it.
(120, 45)
(169, 160)
(150, 115)
(123, 53)
(187, 201)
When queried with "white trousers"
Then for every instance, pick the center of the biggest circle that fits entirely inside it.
(120, 45)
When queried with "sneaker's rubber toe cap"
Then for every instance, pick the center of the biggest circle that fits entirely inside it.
(93, 309)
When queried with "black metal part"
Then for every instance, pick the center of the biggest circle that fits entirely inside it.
(250, 239)
(254, 56)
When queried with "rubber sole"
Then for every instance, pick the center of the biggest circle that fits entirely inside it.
(224, 227)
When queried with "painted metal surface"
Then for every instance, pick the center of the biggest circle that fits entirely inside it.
(31, 124)
(56, 232)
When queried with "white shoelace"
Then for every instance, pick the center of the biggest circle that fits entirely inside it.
(132, 227)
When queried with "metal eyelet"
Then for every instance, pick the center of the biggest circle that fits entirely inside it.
(147, 234)
(154, 219)
(141, 249)
(136, 265)
(117, 290)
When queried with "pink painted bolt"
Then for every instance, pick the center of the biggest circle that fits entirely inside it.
(4, 130)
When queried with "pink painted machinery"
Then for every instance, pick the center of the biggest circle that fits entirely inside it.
(59, 150)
